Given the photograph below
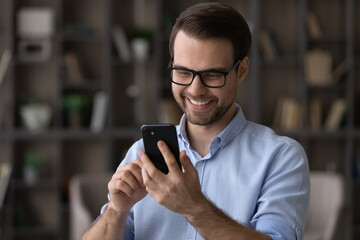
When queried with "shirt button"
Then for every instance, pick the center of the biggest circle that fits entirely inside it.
(189, 238)
(200, 165)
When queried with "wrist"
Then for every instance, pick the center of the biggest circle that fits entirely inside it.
(201, 208)
(115, 213)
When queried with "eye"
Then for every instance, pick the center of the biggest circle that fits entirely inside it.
(212, 75)
(182, 73)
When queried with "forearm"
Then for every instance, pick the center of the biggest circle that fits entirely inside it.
(212, 223)
(109, 226)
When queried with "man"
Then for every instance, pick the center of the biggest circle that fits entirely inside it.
(239, 180)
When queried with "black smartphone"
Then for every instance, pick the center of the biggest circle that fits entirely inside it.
(151, 135)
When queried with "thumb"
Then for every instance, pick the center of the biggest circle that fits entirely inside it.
(186, 162)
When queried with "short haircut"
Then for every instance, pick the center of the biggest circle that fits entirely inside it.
(214, 20)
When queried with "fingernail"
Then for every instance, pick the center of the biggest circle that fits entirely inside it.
(140, 153)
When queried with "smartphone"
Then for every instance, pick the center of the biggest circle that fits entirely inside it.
(151, 135)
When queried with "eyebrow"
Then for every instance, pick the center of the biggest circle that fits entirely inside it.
(219, 69)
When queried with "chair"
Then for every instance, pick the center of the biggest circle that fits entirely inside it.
(326, 205)
(88, 193)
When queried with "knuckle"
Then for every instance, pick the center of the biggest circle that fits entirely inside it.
(171, 189)
(172, 162)
(132, 166)
(146, 181)
(153, 173)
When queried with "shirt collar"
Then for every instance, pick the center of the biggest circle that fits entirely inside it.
(232, 130)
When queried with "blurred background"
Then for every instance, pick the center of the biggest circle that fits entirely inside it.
(78, 78)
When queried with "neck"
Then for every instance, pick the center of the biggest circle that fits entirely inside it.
(200, 136)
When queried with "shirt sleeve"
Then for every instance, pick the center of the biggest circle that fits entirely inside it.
(284, 196)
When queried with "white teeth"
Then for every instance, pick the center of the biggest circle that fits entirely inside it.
(198, 103)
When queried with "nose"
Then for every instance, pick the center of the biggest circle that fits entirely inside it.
(197, 87)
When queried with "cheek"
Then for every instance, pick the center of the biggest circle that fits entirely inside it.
(177, 89)
(174, 89)
(229, 91)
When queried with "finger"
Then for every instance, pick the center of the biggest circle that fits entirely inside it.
(119, 185)
(131, 174)
(168, 156)
(150, 168)
(138, 173)
(135, 167)
(138, 162)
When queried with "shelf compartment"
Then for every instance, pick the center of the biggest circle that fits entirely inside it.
(40, 155)
(87, 56)
(36, 213)
(332, 21)
(83, 156)
(122, 103)
(276, 84)
(36, 83)
(78, 22)
(327, 155)
(281, 25)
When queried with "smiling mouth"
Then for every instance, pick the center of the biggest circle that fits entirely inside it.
(199, 103)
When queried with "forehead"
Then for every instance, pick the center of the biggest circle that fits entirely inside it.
(202, 53)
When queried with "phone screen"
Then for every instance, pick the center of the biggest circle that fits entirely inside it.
(154, 133)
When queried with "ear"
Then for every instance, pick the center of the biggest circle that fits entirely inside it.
(243, 70)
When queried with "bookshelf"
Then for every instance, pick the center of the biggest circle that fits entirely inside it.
(136, 88)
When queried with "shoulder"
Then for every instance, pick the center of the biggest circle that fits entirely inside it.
(269, 147)
(264, 135)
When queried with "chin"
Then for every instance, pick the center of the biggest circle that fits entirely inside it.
(206, 119)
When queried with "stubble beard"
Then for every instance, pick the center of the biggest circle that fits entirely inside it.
(200, 118)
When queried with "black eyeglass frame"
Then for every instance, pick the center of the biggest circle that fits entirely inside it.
(195, 73)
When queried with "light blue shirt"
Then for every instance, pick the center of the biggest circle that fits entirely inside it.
(256, 177)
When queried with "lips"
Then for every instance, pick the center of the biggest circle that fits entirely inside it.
(199, 103)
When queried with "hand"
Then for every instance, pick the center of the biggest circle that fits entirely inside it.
(126, 187)
(178, 191)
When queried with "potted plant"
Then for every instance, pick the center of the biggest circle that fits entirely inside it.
(76, 106)
(32, 165)
(35, 114)
(141, 43)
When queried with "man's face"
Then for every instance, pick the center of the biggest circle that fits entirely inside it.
(203, 105)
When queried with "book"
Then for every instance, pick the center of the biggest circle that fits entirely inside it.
(73, 67)
(292, 115)
(268, 45)
(100, 107)
(318, 67)
(315, 116)
(5, 172)
(4, 64)
(339, 71)
(121, 44)
(313, 25)
(288, 114)
(335, 115)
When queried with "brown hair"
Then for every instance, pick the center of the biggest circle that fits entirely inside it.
(208, 20)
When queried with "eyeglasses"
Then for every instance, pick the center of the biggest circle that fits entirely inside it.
(209, 78)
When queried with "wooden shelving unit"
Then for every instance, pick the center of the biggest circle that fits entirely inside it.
(135, 90)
